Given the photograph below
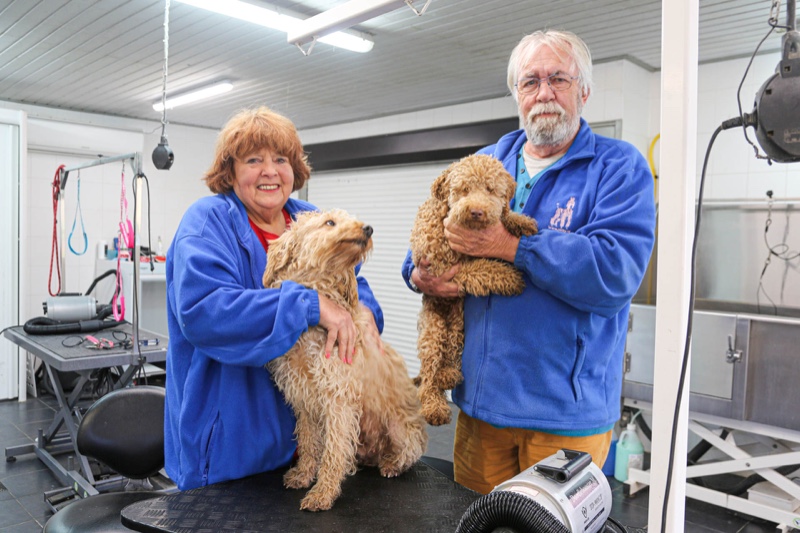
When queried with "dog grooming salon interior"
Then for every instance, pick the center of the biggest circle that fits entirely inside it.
(110, 112)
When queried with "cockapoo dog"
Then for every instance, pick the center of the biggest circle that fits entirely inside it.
(364, 413)
(474, 192)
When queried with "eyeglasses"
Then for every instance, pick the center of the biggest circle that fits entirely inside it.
(557, 82)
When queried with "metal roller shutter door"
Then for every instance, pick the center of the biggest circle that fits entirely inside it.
(387, 199)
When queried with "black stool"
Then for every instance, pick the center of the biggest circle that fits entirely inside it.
(125, 430)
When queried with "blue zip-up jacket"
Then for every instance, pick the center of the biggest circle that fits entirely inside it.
(550, 359)
(224, 417)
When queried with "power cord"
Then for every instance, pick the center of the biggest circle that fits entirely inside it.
(728, 124)
(743, 120)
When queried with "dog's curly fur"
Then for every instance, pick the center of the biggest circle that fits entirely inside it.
(364, 413)
(474, 192)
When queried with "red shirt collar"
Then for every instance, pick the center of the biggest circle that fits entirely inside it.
(264, 236)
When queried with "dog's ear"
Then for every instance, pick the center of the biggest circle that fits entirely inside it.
(440, 188)
(280, 255)
(510, 185)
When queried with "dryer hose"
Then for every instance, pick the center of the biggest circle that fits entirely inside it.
(508, 511)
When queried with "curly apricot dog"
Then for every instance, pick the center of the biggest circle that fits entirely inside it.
(474, 192)
(364, 413)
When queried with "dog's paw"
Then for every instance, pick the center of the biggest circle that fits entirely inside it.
(437, 414)
(395, 464)
(481, 276)
(317, 500)
(511, 283)
(392, 470)
(518, 224)
(517, 284)
(295, 478)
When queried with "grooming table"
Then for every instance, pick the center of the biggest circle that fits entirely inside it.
(422, 499)
(85, 362)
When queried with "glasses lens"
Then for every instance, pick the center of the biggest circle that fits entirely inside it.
(528, 85)
(559, 83)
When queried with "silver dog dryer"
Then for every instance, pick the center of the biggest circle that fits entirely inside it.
(565, 493)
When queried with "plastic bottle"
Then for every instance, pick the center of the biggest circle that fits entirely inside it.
(630, 453)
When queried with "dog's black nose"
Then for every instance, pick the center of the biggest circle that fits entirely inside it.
(368, 231)
(477, 213)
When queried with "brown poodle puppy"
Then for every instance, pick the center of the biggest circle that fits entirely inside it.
(474, 192)
(364, 413)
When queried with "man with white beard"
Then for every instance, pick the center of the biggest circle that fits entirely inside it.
(543, 370)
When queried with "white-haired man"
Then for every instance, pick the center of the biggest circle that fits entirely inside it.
(543, 370)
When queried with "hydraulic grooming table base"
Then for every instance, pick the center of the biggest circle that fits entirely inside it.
(420, 500)
(84, 362)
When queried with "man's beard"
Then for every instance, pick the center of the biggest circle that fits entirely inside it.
(551, 131)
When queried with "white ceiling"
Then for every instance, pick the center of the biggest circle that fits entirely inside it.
(106, 56)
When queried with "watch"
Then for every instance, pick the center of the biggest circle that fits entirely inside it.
(413, 285)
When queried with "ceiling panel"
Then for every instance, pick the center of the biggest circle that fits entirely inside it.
(107, 56)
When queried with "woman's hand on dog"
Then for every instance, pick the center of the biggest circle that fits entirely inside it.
(340, 326)
(440, 286)
(493, 241)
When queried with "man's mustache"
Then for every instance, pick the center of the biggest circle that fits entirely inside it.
(540, 109)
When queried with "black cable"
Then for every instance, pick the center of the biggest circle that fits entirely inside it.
(150, 253)
(685, 362)
(138, 348)
(739, 98)
(99, 278)
(742, 120)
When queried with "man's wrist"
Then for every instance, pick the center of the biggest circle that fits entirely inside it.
(412, 284)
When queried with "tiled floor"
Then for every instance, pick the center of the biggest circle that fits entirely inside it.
(23, 482)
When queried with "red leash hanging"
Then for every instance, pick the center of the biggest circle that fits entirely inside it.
(54, 255)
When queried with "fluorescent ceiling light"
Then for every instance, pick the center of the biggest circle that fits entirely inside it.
(193, 96)
(277, 19)
(339, 17)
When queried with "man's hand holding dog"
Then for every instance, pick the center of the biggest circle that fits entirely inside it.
(341, 328)
(494, 241)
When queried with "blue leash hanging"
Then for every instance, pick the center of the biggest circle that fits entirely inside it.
(78, 212)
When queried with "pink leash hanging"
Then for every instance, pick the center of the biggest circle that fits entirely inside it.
(126, 237)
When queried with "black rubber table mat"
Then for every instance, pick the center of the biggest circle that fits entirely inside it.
(423, 500)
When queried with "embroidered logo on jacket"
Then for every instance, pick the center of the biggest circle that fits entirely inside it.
(563, 216)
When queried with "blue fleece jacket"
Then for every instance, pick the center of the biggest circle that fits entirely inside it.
(224, 417)
(550, 359)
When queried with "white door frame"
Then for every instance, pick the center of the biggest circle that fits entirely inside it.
(12, 384)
